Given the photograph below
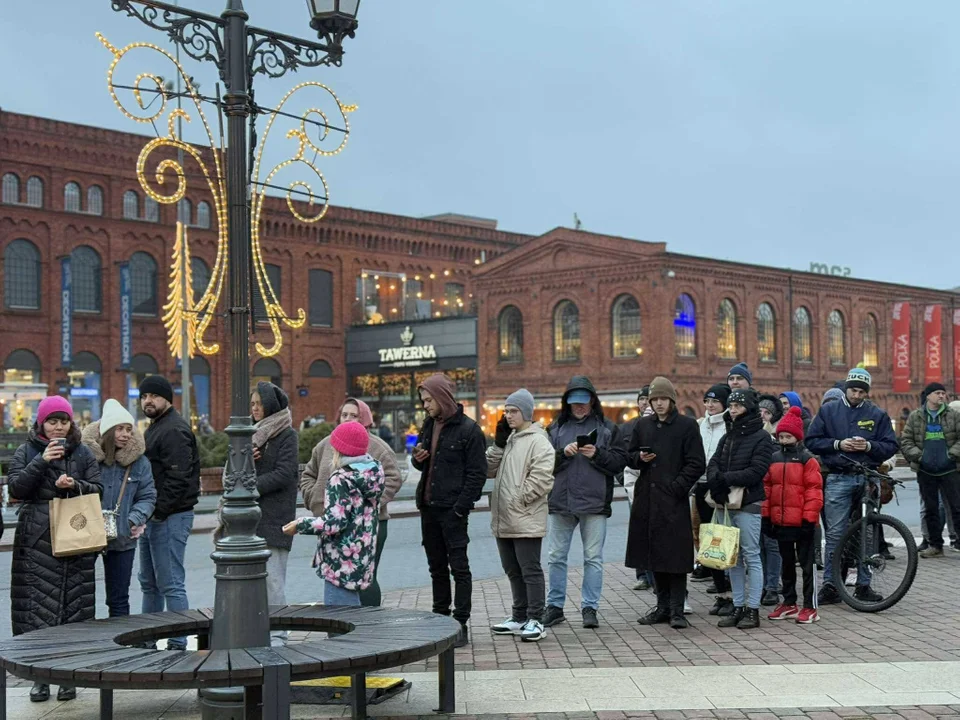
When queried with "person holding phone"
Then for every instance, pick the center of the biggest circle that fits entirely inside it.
(45, 590)
(588, 456)
(667, 449)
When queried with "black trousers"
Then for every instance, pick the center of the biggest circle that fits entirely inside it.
(445, 541)
(671, 591)
(520, 558)
(705, 512)
(931, 486)
(791, 551)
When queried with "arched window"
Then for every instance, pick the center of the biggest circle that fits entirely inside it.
(685, 327)
(836, 340)
(143, 283)
(131, 205)
(84, 378)
(727, 330)
(200, 273)
(274, 275)
(320, 369)
(11, 189)
(87, 290)
(71, 197)
(35, 192)
(626, 327)
(766, 333)
(151, 210)
(511, 335)
(266, 369)
(200, 385)
(870, 332)
(21, 275)
(95, 200)
(21, 366)
(566, 332)
(802, 336)
(185, 211)
(203, 214)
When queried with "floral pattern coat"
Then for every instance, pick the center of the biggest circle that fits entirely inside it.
(346, 552)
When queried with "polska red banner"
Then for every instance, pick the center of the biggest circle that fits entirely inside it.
(956, 351)
(932, 343)
(901, 347)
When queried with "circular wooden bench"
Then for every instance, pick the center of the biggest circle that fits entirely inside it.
(102, 654)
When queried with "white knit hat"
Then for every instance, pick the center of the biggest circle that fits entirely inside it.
(114, 414)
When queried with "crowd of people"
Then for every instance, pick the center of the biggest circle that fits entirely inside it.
(758, 462)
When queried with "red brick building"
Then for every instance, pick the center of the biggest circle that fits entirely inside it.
(546, 308)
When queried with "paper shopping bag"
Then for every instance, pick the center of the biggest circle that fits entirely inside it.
(76, 525)
(719, 544)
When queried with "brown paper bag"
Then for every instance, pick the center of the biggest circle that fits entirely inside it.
(76, 525)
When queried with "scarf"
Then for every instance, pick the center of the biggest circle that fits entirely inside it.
(271, 426)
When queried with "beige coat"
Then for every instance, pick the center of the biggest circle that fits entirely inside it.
(313, 479)
(524, 477)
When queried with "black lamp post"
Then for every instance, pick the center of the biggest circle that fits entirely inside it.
(240, 52)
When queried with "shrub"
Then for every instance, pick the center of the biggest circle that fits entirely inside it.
(310, 437)
(213, 449)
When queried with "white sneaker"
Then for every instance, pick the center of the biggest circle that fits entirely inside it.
(532, 631)
(508, 627)
(851, 580)
(687, 610)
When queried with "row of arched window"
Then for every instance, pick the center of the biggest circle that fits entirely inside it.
(91, 202)
(22, 279)
(626, 332)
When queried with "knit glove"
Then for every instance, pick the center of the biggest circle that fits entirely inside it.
(807, 527)
(719, 490)
(503, 432)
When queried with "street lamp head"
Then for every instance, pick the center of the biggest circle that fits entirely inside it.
(334, 19)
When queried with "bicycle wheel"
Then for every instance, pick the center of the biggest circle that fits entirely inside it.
(890, 578)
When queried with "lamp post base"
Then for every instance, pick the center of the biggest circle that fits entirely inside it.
(221, 704)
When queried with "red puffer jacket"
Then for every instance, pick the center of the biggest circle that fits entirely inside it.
(794, 488)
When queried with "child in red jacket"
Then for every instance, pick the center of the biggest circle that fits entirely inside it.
(794, 489)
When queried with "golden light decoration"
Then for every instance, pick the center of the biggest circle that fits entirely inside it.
(175, 311)
(204, 308)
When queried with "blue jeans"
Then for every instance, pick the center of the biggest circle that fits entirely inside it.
(747, 559)
(839, 494)
(162, 576)
(772, 563)
(336, 595)
(117, 571)
(593, 533)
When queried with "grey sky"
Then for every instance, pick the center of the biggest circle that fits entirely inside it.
(766, 131)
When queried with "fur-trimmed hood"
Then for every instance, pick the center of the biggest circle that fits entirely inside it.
(124, 456)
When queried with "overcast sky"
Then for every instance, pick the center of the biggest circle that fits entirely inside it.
(774, 132)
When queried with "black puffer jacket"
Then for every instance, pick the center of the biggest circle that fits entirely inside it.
(742, 459)
(44, 590)
(172, 452)
(461, 464)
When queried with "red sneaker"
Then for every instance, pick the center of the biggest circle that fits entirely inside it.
(784, 612)
(808, 616)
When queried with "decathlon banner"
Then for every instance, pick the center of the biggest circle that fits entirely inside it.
(956, 350)
(66, 313)
(126, 317)
(932, 336)
(901, 347)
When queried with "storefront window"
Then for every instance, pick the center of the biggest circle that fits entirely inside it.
(21, 392)
(84, 388)
(140, 367)
(200, 389)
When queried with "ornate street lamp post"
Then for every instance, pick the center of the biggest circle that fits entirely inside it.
(240, 52)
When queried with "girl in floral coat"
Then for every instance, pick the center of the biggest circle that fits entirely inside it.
(346, 552)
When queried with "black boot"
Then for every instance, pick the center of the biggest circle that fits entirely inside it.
(65, 692)
(39, 692)
(656, 616)
(677, 620)
(750, 619)
(733, 619)
(463, 639)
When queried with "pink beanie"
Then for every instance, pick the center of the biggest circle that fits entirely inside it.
(51, 405)
(350, 439)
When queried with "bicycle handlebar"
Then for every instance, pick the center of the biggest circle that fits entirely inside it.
(869, 472)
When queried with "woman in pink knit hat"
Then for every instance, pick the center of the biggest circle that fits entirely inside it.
(346, 552)
(47, 590)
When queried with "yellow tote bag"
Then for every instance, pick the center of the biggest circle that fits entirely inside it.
(719, 544)
(76, 525)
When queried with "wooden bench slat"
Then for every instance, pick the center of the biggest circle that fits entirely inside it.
(148, 668)
(64, 669)
(96, 670)
(243, 666)
(217, 666)
(186, 668)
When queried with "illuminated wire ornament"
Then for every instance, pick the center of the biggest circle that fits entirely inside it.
(212, 166)
(174, 312)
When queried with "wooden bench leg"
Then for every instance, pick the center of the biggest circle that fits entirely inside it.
(359, 701)
(275, 693)
(447, 684)
(3, 694)
(253, 702)
(106, 704)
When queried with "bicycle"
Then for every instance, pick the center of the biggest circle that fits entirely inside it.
(860, 545)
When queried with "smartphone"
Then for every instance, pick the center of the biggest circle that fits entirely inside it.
(418, 447)
(583, 440)
(645, 449)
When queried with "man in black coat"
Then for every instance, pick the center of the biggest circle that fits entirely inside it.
(589, 455)
(667, 450)
(451, 457)
(173, 456)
